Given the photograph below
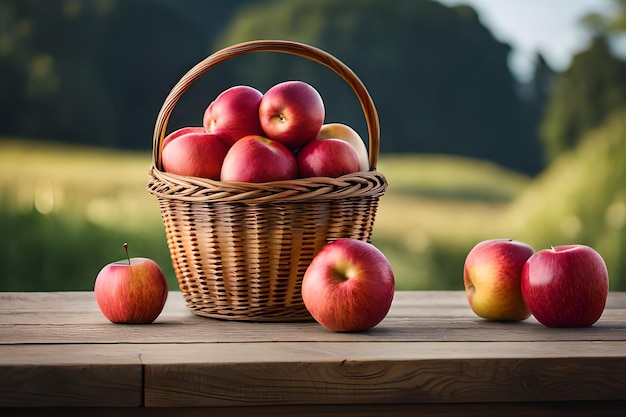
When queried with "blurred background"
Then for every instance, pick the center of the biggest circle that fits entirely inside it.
(498, 119)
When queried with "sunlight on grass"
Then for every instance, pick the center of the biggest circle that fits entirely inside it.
(450, 177)
(105, 187)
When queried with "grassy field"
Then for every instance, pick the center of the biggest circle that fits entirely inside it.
(66, 211)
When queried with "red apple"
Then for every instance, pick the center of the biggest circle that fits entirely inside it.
(259, 159)
(348, 286)
(133, 290)
(196, 155)
(292, 112)
(180, 132)
(346, 133)
(566, 286)
(234, 114)
(492, 276)
(327, 158)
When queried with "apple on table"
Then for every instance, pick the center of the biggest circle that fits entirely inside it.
(566, 286)
(348, 286)
(492, 276)
(292, 112)
(133, 290)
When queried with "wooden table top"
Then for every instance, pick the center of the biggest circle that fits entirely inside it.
(431, 354)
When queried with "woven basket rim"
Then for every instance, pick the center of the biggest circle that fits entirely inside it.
(177, 187)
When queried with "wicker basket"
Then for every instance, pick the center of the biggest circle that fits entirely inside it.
(240, 250)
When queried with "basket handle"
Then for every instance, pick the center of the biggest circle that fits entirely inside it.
(288, 47)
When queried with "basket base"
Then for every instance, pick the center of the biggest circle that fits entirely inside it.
(279, 315)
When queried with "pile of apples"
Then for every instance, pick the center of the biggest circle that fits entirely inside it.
(247, 136)
(563, 286)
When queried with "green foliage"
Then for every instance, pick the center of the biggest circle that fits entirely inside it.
(90, 71)
(438, 77)
(589, 91)
(613, 23)
(581, 198)
(53, 252)
(66, 211)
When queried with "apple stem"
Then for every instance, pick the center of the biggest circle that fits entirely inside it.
(126, 249)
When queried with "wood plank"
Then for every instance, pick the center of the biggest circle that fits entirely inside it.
(192, 354)
(56, 349)
(538, 409)
(389, 383)
(391, 329)
(55, 386)
(80, 303)
(331, 373)
(67, 375)
(415, 316)
(18, 303)
(250, 374)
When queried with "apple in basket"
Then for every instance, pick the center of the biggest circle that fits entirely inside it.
(348, 134)
(195, 154)
(492, 276)
(180, 132)
(327, 158)
(133, 290)
(566, 286)
(234, 114)
(259, 159)
(292, 112)
(348, 286)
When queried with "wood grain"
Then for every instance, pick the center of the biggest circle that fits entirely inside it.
(434, 316)
(56, 349)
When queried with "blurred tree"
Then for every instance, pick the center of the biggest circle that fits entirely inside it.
(590, 90)
(90, 71)
(438, 77)
(607, 24)
(536, 93)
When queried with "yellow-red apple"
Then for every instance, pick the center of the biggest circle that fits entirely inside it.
(492, 276)
(346, 133)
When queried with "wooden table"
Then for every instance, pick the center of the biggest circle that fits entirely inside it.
(431, 355)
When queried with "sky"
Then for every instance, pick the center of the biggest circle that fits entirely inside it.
(551, 27)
